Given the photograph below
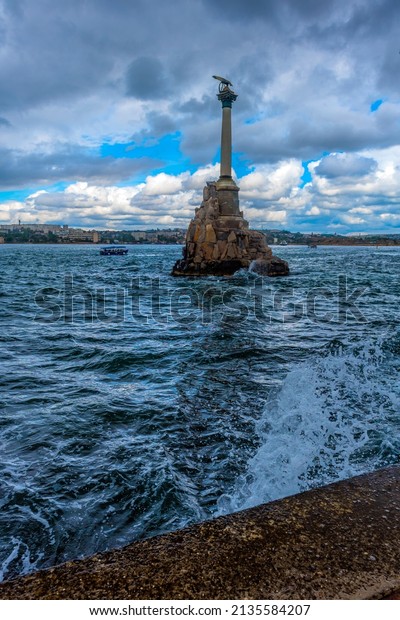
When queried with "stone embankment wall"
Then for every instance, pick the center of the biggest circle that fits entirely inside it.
(337, 542)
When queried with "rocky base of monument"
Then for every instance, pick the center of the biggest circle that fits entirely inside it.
(221, 244)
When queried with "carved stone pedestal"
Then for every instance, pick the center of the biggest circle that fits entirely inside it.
(219, 242)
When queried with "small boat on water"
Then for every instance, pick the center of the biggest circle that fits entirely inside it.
(312, 245)
(114, 250)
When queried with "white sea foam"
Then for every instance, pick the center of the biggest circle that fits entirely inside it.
(333, 417)
(12, 556)
(20, 552)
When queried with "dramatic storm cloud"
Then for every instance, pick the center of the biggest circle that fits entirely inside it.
(108, 114)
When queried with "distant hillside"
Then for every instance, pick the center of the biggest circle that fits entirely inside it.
(285, 237)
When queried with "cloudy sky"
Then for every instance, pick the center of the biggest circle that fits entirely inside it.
(109, 116)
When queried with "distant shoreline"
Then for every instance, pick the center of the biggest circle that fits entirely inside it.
(339, 243)
(46, 234)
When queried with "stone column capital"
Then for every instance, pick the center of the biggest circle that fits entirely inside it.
(226, 96)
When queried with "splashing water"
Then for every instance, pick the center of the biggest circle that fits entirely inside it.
(333, 418)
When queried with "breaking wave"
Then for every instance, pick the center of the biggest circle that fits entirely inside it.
(334, 417)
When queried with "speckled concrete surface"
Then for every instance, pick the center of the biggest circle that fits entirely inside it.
(341, 541)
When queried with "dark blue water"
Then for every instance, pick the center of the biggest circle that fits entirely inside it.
(133, 403)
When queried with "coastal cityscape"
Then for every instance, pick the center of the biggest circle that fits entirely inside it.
(61, 233)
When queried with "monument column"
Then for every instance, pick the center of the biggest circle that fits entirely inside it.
(218, 240)
(228, 191)
(226, 141)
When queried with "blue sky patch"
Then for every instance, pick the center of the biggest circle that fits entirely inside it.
(21, 194)
(167, 149)
(375, 105)
(306, 176)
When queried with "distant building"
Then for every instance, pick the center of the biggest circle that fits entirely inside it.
(2, 240)
(38, 228)
(78, 235)
(139, 235)
(152, 237)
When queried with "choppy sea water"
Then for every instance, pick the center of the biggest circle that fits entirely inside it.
(133, 403)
